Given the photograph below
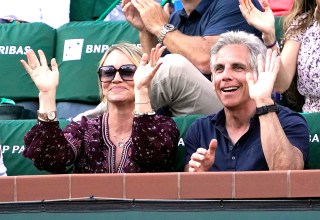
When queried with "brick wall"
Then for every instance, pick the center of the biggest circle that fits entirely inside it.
(211, 185)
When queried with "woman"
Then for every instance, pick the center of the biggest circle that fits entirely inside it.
(301, 46)
(130, 137)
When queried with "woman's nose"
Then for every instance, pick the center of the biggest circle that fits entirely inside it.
(117, 77)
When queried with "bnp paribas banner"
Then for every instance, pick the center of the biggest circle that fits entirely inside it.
(12, 133)
(313, 120)
(15, 40)
(79, 48)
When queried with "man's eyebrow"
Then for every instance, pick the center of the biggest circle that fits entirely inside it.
(239, 65)
(217, 66)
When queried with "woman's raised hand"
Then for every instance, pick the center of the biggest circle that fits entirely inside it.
(45, 79)
(263, 21)
(148, 67)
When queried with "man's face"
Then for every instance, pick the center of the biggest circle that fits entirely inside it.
(229, 75)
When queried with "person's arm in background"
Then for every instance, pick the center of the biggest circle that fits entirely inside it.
(152, 18)
(264, 21)
(147, 39)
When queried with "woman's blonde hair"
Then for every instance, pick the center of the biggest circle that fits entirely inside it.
(132, 51)
(299, 7)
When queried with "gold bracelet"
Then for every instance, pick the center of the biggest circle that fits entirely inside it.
(137, 114)
(142, 103)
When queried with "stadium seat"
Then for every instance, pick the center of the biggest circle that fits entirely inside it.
(13, 131)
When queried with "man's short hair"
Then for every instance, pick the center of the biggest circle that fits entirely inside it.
(254, 44)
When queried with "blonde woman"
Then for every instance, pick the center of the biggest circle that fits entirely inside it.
(128, 137)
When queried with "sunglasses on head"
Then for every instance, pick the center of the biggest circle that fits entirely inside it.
(107, 73)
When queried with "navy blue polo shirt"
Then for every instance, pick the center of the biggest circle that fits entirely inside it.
(247, 153)
(213, 17)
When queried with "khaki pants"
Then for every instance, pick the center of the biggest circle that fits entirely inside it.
(179, 85)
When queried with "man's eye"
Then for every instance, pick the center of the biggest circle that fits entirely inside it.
(239, 68)
(218, 70)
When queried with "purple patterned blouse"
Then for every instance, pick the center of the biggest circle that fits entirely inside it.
(86, 145)
(308, 64)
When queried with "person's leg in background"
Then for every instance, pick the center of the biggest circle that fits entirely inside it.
(181, 86)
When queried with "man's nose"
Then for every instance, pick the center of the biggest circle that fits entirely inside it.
(227, 73)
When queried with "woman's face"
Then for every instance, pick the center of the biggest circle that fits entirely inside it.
(118, 89)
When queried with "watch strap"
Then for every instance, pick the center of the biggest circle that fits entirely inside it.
(266, 109)
(166, 28)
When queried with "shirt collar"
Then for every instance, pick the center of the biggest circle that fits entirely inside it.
(200, 9)
(220, 120)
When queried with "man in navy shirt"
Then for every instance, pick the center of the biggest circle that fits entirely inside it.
(250, 132)
(188, 35)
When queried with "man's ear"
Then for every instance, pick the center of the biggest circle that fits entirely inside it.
(255, 76)
(212, 82)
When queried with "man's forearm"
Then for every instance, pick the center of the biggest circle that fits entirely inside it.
(280, 154)
(195, 48)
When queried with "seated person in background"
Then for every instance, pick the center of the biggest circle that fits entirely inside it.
(301, 46)
(129, 137)
(3, 169)
(250, 132)
(188, 34)
(35, 11)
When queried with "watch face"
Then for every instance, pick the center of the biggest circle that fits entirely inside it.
(169, 27)
(51, 115)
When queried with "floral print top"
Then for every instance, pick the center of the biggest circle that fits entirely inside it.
(87, 146)
(308, 65)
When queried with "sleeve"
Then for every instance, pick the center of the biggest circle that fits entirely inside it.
(292, 33)
(50, 148)
(226, 16)
(155, 142)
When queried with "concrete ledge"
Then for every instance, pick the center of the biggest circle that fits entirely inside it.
(175, 186)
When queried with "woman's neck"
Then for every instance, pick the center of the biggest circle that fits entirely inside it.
(120, 118)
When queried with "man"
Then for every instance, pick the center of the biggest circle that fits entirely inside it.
(188, 35)
(250, 132)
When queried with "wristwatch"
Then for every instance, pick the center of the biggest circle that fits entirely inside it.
(48, 116)
(166, 28)
(266, 109)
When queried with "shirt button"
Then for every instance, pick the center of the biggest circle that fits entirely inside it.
(233, 157)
